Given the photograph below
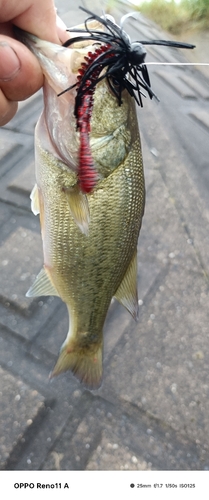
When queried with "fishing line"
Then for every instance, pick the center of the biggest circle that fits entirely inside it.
(175, 64)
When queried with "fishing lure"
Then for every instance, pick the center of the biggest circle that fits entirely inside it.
(121, 62)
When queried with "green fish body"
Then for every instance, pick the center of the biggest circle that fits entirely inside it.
(89, 240)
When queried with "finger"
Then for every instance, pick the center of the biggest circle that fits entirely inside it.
(37, 17)
(26, 79)
(7, 109)
(61, 30)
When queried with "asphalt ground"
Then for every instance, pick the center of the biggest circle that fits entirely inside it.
(152, 411)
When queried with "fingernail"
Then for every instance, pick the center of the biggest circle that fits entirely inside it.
(9, 62)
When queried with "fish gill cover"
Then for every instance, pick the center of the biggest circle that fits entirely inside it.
(121, 62)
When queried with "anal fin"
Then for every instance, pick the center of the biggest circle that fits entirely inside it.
(41, 286)
(127, 291)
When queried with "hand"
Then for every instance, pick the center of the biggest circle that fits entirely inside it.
(20, 73)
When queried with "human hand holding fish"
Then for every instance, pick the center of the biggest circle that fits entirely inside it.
(20, 73)
(90, 184)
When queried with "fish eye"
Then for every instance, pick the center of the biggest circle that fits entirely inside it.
(116, 88)
(115, 85)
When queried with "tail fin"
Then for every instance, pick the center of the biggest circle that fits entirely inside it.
(84, 364)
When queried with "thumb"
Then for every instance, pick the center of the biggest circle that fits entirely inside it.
(9, 62)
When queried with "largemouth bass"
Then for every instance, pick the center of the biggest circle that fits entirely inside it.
(89, 240)
(90, 190)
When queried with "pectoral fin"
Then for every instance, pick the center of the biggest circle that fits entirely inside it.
(41, 286)
(35, 207)
(79, 207)
(127, 291)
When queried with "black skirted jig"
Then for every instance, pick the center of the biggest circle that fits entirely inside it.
(123, 59)
(121, 62)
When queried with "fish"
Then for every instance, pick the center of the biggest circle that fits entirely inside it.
(90, 189)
